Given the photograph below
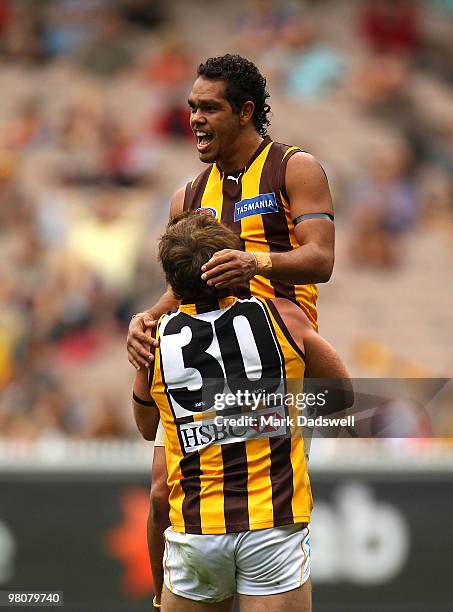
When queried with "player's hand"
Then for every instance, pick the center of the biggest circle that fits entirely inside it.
(229, 267)
(140, 344)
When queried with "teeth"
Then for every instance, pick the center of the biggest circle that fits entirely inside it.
(198, 133)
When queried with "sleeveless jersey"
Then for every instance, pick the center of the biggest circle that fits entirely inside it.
(226, 476)
(255, 206)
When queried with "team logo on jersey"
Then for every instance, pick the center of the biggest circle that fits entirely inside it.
(206, 210)
(259, 205)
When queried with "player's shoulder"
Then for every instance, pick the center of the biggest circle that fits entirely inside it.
(291, 311)
(177, 202)
(199, 179)
(296, 153)
(295, 163)
(192, 191)
(292, 321)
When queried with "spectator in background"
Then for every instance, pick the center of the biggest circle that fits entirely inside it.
(27, 128)
(172, 66)
(129, 159)
(385, 207)
(173, 121)
(68, 26)
(169, 73)
(384, 90)
(109, 51)
(259, 26)
(22, 35)
(312, 66)
(391, 25)
(5, 16)
(107, 240)
(144, 14)
(437, 178)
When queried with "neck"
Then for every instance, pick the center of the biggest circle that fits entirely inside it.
(244, 148)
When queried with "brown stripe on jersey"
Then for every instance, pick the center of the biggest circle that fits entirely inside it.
(281, 473)
(190, 484)
(266, 140)
(194, 190)
(235, 491)
(282, 170)
(277, 316)
(231, 192)
(281, 470)
(207, 306)
(190, 472)
(276, 230)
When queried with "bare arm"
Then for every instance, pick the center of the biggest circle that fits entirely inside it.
(140, 344)
(146, 413)
(308, 192)
(323, 366)
(312, 262)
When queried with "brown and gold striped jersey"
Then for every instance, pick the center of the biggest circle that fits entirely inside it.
(225, 475)
(254, 204)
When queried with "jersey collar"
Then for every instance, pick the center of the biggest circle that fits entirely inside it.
(266, 140)
(208, 306)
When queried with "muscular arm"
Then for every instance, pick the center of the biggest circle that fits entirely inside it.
(323, 366)
(140, 345)
(308, 192)
(312, 262)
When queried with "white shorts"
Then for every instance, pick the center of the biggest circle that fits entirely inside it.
(211, 568)
(160, 435)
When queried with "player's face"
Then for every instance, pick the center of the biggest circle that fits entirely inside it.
(213, 121)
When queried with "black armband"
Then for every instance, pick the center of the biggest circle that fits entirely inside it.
(142, 402)
(301, 218)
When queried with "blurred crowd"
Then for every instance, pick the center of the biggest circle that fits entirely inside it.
(94, 138)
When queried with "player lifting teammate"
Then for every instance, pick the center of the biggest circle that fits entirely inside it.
(274, 197)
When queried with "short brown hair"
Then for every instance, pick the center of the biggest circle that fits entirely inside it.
(190, 240)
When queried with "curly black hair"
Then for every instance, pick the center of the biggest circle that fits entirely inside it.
(243, 82)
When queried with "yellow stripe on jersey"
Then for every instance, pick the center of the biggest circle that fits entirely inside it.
(261, 512)
(252, 230)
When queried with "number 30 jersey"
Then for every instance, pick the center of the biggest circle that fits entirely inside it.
(234, 459)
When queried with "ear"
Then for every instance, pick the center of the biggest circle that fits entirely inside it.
(246, 112)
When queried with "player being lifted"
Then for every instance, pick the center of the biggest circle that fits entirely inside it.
(240, 498)
(274, 197)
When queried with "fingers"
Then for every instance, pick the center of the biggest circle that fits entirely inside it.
(150, 323)
(140, 344)
(217, 271)
(228, 278)
(141, 353)
(218, 258)
(139, 338)
(137, 360)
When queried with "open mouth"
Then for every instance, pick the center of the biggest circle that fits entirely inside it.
(204, 139)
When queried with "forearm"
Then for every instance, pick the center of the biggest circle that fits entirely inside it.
(166, 302)
(306, 264)
(145, 411)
